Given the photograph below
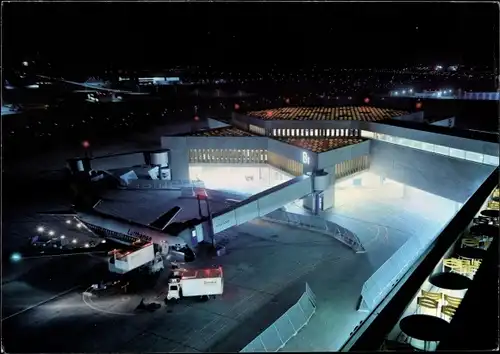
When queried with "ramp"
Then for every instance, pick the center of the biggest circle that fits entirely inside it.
(318, 224)
(276, 336)
(262, 203)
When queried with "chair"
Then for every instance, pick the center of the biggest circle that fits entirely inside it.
(454, 264)
(427, 303)
(448, 311)
(452, 300)
(433, 296)
(470, 242)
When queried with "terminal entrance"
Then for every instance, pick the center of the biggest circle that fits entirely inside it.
(244, 179)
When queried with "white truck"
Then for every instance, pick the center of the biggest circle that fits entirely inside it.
(202, 283)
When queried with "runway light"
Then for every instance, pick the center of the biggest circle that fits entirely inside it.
(51, 233)
(40, 229)
(15, 257)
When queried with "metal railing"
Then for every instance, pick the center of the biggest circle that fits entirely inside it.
(317, 224)
(387, 276)
(277, 335)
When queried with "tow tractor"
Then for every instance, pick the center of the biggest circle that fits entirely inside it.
(202, 283)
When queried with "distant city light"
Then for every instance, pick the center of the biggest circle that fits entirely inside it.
(103, 241)
(15, 257)
(367, 100)
(269, 113)
(418, 105)
(85, 144)
(196, 118)
(63, 237)
(87, 245)
(68, 222)
(287, 100)
(79, 225)
(40, 229)
(410, 90)
(74, 240)
(25, 63)
(396, 93)
(51, 233)
(404, 92)
(236, 106)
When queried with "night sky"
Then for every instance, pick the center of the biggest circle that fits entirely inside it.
(252, 35)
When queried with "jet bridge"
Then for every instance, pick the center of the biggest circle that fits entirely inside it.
(262, 203)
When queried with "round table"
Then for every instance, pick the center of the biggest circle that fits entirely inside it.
(424, 327)
(490, 213)
(471, 253)
(484, 230)
(450, 281)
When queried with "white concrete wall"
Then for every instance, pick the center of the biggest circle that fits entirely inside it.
(447, 177)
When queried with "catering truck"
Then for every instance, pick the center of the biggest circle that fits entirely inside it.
(202, 283)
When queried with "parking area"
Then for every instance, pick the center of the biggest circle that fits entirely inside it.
(258, 289)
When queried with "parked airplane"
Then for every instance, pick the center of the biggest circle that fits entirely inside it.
(97, 87)
(126, 232)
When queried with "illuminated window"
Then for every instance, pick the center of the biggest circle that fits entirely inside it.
(274, 132)
(293, 132)
(491, 160)
(328, 132)
(442, 150)
(307, 132)
(288, 132)
(459, 154)
(315, 132)
(301, 132)
(474, 156)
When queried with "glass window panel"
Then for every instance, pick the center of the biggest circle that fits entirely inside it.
(491, 160)
(443, 150)
(474, 156)
(459, 154)
(428, 147)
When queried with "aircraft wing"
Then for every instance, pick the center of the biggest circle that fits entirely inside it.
(166, 218)
(96, 88)
(47, 251)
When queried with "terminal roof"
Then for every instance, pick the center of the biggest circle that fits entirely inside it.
(360, 113)
(226, 131)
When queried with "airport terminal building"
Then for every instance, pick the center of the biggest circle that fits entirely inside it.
(380, 181)
(334, 142)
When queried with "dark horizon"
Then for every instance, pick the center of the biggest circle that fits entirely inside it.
(239, 35)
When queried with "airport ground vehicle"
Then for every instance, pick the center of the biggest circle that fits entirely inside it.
(202, 283)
